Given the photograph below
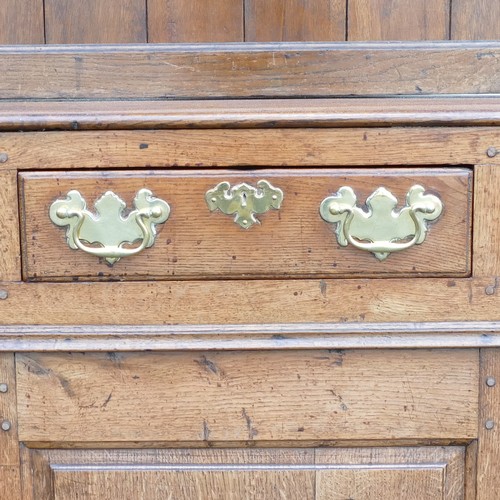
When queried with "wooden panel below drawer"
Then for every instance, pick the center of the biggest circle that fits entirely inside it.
(302, 474)
(290, 242)
(248, 396)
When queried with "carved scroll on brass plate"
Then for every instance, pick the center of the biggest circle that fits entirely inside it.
(381, 229)
(244, 201)
(105, 233)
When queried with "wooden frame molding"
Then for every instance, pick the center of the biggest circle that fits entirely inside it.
(249, 70)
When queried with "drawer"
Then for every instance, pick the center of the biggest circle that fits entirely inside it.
(290, 241)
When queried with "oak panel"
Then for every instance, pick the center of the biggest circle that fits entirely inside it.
(194, 21)
(9, 447)
(95, 21)
(293, 241)
(398, 20)
(10, 257)
(247, 396)
(254, 70)
(254, 148)
(253, 302)
(295, 20)
(21, 22)
(10, 483)
(488, 479)
(475, 20)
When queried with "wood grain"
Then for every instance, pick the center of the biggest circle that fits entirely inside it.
(255, 113)
(253, 301)
(252, 396)
(475, 20)
(398, 20)
(488, 480)
(21, 22)
(385, 473)
(487, 226)
(10, 255)
(254, 70)
(295, 20)
(253, 148)
(9, 448)
(290, 242)
(10, 483)
(192, 21)
(94, 21)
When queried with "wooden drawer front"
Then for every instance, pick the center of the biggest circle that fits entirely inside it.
(292, 241)
(248, 396)
(301, 474)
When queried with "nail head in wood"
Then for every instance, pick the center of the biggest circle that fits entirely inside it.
(6, 425)
(3, 294)
(489, 290)
(490, 381)
(489, 424)
(4, 387)
(491, 152)
(3, 157)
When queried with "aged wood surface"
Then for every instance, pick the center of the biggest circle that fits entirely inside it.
(475, 20)
(10, 257)
(400, 20)
(253, 301)
(253, 396)
(193, 21)
(486, 222)
(470, 477)
(256, 113)
(292, 241)
(21, 22)
(254, 148)
(94, 21)
(10, 483)
(295, 20)
(253, 70)
(9, 449)
(488, 479)
(297, 473)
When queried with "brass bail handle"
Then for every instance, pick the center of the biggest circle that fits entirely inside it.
(381, 229)
(105, 233)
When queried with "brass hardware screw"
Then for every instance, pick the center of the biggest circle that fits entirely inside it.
(3, 294)
(3, 157)
(4, 387)
(6, 425)
(490, 381)
(491, 152)
(489, 424)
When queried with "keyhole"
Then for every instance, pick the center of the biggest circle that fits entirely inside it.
(243, 199)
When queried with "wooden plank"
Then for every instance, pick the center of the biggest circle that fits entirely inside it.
(293, 241)
(391, 473)
(253, 396)
(10, 256)
(255, 113)
(10, 483)
(254, 148)
(21, 22)
(487, 222)
(9, 448)
(293, 301)
(193, 21)
(294, 20)
(488, 479)
(254, 70)
(94, 21)
(475, 20)
(470, 479)
(400, 20)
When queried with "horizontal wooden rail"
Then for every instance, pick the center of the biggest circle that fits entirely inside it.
(249, 70)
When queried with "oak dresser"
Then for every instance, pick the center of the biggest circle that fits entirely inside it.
(250, 271)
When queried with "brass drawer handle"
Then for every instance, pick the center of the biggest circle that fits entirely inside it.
(381, 229)
(109, 229)
(244, 201)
